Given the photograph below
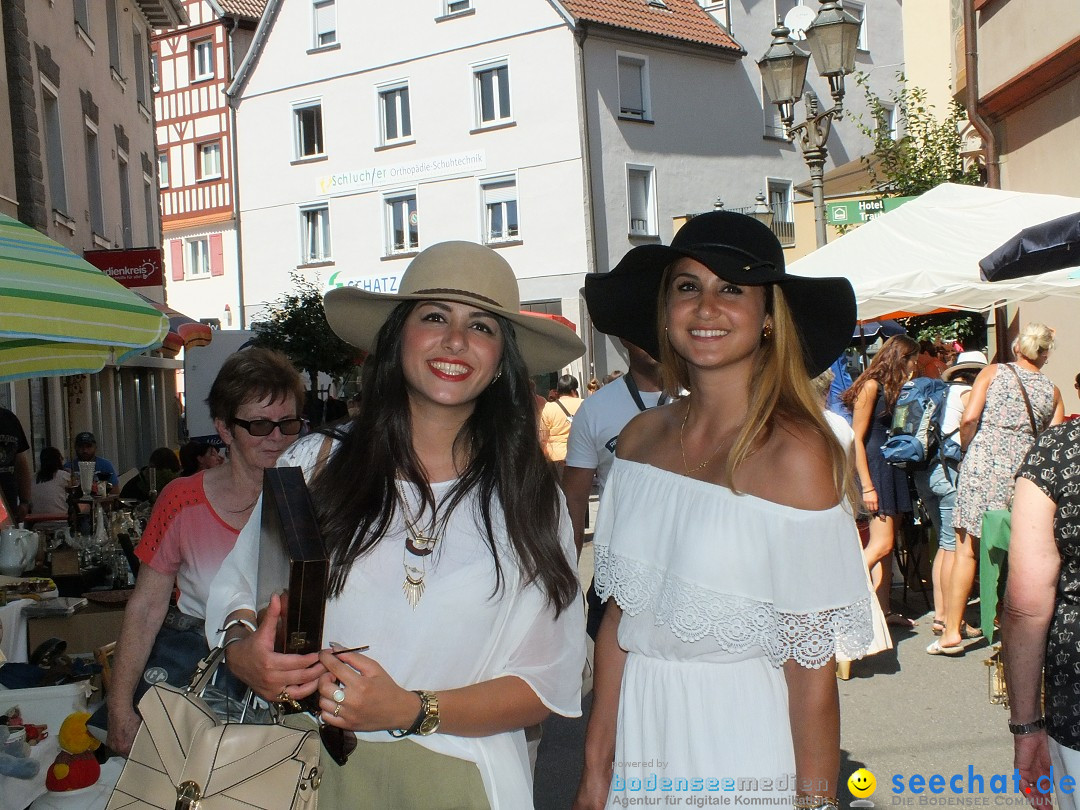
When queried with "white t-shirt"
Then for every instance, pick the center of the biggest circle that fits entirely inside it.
(597, 425)
(458, 634)
(954, 409)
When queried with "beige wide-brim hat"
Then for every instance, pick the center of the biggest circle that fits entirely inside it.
(465, 273)
(973, 361)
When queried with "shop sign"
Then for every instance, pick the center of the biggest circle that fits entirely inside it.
(401, 173)
(136, 267)
(376, 284)
(856, 212)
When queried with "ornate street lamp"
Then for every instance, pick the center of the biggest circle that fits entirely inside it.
(762, 212)
(832, 39)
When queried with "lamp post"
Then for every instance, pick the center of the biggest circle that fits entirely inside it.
(762, 212)
(832, 38)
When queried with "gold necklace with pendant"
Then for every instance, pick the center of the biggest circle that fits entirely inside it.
(419, 544)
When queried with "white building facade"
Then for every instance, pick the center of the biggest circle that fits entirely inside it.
(561, 134)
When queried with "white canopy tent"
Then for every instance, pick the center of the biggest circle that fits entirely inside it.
(924, 256)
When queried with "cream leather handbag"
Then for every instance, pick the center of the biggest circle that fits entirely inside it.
(185, 757)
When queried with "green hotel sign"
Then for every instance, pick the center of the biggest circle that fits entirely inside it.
(857, 212)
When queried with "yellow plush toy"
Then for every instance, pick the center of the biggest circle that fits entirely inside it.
(75, 766)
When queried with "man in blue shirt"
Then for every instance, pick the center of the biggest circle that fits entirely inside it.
(86, 450)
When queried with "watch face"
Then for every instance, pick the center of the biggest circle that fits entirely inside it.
(429, 725)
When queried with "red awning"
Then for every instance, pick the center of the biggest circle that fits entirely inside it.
(557, 318)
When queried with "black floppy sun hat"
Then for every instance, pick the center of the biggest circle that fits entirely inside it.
(739, 249)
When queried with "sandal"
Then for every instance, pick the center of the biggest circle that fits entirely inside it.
(969, 632)
(938, 626)
(899, 620)
(937, 648)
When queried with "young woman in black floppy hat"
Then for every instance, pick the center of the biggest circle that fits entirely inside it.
(725, 537)
(451, 552)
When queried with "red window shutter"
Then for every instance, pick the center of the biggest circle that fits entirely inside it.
(217, 260)
(176, 259)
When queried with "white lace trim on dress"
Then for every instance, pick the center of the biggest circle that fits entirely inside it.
(736, 622)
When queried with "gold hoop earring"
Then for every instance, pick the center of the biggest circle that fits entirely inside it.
(766, 332)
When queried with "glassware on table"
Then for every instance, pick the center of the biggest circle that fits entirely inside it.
(86, 477)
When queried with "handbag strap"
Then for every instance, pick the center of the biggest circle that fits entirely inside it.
(1027, 401)
(205, 669)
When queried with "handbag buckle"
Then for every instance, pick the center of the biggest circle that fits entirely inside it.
(188, 796)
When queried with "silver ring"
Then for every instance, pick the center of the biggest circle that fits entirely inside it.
(339, 695)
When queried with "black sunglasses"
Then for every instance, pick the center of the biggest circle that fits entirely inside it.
(264, 427)
(338, 742)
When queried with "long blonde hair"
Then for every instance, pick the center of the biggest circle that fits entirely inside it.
(781, 388)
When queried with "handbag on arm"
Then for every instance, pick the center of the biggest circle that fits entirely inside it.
(186, 757)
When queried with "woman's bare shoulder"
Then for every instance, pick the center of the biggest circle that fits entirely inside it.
(645, 432)
(797, 467)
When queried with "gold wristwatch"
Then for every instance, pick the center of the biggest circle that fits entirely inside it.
(429, 712)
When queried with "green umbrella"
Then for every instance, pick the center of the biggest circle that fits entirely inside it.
(60, 315)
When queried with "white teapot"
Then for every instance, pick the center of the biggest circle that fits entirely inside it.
(18, 550)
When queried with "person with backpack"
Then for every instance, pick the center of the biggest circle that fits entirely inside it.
(936, 481)
(556, 419)
(885, 494)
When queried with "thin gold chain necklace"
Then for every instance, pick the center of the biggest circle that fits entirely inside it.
(419, 544)
(682, 449)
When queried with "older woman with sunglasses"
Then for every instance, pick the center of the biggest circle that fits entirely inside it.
(255, 402)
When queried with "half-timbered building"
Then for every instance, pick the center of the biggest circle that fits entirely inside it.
(193, 65)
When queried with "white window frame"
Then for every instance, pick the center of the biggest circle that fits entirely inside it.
(641, 63)
(298, 109)
(391, 201)
(123, 176)
(858, 10)
(892, 121)
(499, 193)
(200, 72)
(155, 71)
(82, 15)
(142, 66)
(646, 225)
(402, 113)
(197, 257)
(452, 7)
(93, 177)
(203, 150)
(113, 36)
(54, 146)
(163, 169)
(500, 116)
(323, 37)
(150, 203)
(316, 242)
(780, 197)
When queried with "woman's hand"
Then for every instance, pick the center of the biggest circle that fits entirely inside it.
(870, 500)
(593, 789)
(373, 701)
(268, 673)
(124, 723)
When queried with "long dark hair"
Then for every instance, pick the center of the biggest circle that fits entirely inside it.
(888, 368)
(51, 461)
(355, 496)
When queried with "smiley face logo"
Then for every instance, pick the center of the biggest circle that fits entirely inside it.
(862, 783)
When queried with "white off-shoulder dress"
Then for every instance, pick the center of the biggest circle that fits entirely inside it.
(718, 590)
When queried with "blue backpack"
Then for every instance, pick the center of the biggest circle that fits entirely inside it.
(916, 436)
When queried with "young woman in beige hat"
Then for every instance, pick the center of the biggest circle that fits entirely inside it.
(451, 552)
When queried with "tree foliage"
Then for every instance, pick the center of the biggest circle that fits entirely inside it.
(966, 328)
(296, 324)
(927, 151)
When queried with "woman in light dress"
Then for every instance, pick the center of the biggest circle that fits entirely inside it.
(452, 555)
(725, 538)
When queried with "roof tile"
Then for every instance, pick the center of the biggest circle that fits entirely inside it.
(678, 19)
(251, 9)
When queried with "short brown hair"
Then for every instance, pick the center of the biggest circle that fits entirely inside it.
(252, 375)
